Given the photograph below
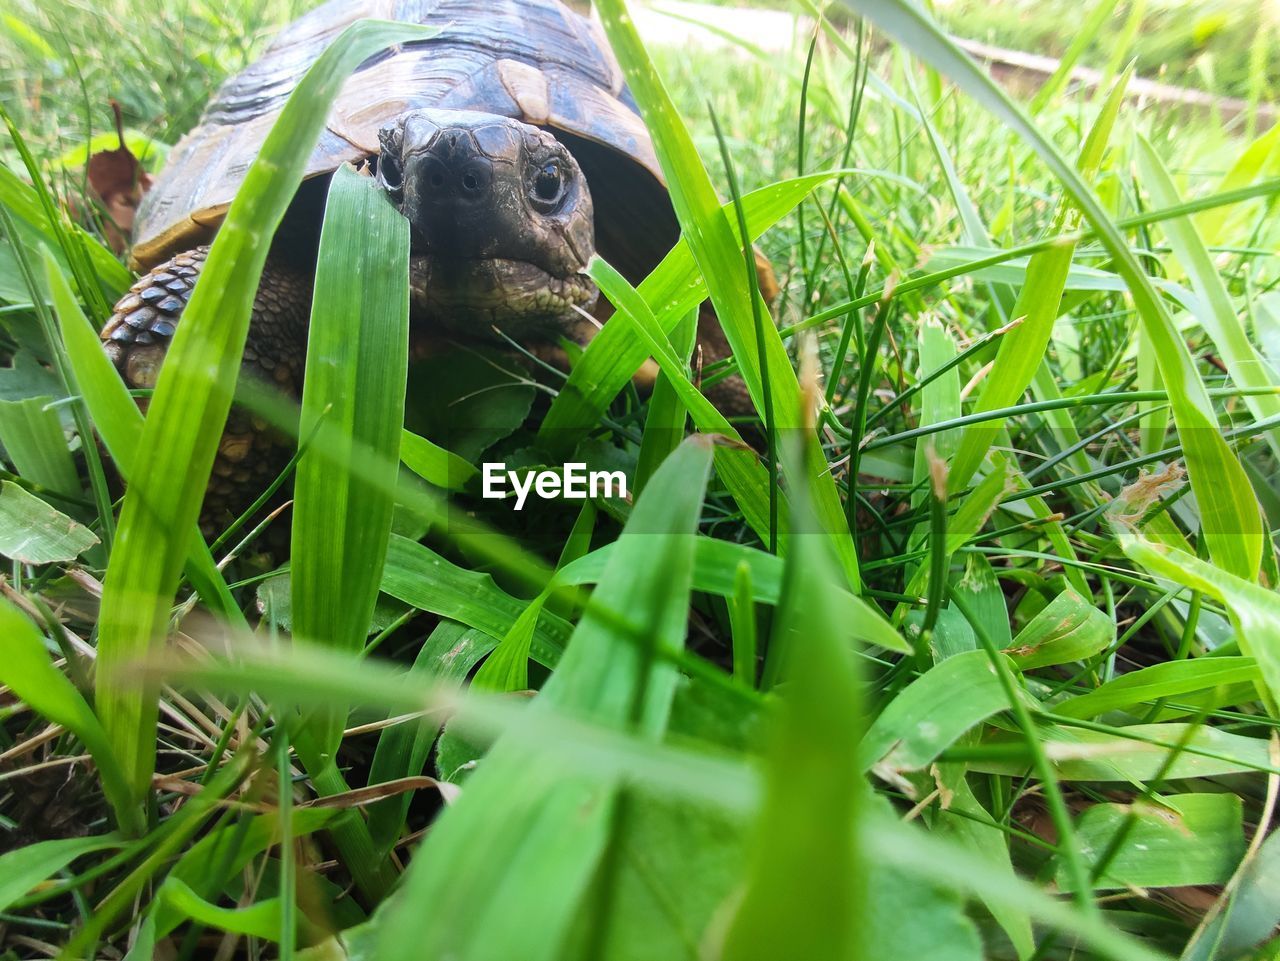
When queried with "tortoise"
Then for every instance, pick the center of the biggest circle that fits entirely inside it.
(510, 143)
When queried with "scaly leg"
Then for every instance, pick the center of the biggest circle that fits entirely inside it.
(137, 337)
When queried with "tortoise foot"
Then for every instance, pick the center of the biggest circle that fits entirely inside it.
(137, 337)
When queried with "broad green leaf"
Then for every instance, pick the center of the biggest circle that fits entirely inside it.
(928, 860)
(36, 445)
(1172, 680)
(422, 578)
(1229, 512)
(1251, 911)
(1176, 840)
(32, 532)
(932, 713)
(25, 867)
(192, 399)
(357, 357)
(434, 464)
(1136, 754)
(1069, 628)
(28, 671)
(464, 401)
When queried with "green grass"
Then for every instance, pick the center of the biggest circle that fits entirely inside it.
(984, 666)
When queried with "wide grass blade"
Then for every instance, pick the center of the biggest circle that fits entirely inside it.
(1170, 681)
(738, 466)
(504, 870)
(193, 397)
(1184, 839)
(1229, 511)
(357, 359)
(28, 671)
(32, 532)
(26, 867)
(1254, 610)
(36, 445)
(118, 422)
(1069, 628)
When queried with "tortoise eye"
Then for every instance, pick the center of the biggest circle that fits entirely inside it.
(548, 185)
(389, 172)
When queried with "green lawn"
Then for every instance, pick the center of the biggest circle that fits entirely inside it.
(975, 654)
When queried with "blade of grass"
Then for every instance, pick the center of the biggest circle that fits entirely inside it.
(506, 867)
(1229, 511)
(1254, 610)
(672, 290)
(193, 397)
(1022, 351)
(36, 446)
(718, 255)
(28, 671)
(738, 467)
(357, 359)
(118, 422)
(1080, 42)
(665, 421)
(805, 894)
(1217, 315)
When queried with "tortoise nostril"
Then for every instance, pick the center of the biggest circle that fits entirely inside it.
(469, 181)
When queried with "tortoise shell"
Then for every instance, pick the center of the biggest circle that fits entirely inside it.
(532, 60)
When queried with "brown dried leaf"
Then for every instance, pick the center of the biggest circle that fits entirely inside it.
(119, 181)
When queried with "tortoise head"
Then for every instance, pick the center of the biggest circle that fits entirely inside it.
(501, 221)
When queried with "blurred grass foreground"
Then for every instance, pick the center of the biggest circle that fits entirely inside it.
(961, 642)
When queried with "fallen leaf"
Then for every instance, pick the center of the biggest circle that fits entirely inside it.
(119, 181)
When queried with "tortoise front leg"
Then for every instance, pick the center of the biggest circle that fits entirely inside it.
(138, 335)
